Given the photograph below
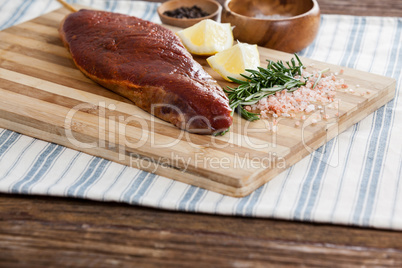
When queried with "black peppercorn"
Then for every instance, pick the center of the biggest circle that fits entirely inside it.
(186, 12)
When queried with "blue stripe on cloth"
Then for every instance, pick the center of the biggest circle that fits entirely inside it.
(383, 145)
(218, 203)
(280, 194)
(355, 129)
(107, 5)
(375, 49)
(318, 179)
(89, 169)
(12, 15)
(345, 167)
(5, 135)
(371, 153)
(302, 181)
(351, 42)
(114, 6)
(354, 52)
(334, 35)
(18, 159)
(119, 175)
(254, 200)
(375, 149)
(110, 5)
(313, 165)
(241, 204)
(167, 190)
(245, 205)
(135, 184)
(38, 168)
(187, 196)
(307, 196)
(146, 12)
(362, 184)
(153, 12)
(130, 9)
(96, 175)
(44, 150)
(306, 186)
(3, 131)
(47, 165)
(139, 193)
(374, 166)
(18, 14)
(303, 189)
(196, 198)
(7, 140)
(65, 172)
(353, 47)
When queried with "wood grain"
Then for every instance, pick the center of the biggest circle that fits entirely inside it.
(44, 95)
(44, 232)
(389, 8)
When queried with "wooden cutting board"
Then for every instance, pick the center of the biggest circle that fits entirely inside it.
(44, 95)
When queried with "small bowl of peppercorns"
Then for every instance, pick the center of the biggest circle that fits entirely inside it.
(186, 13)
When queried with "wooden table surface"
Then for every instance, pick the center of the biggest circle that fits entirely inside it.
(48, 232)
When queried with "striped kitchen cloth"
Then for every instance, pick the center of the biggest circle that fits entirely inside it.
(354, 179)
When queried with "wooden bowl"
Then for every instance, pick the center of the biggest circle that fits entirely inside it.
(210, 6)
(288, 26)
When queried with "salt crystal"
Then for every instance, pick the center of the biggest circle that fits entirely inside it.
(286, 104)
(310, 108)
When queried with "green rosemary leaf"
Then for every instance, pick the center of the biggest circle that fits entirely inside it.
(273, 89)
(248, 115)
(221, 133)
(260, 83)
(237, 80)
(319, 77)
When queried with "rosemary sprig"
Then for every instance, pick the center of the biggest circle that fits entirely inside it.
(319, 77)
(264, 82)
